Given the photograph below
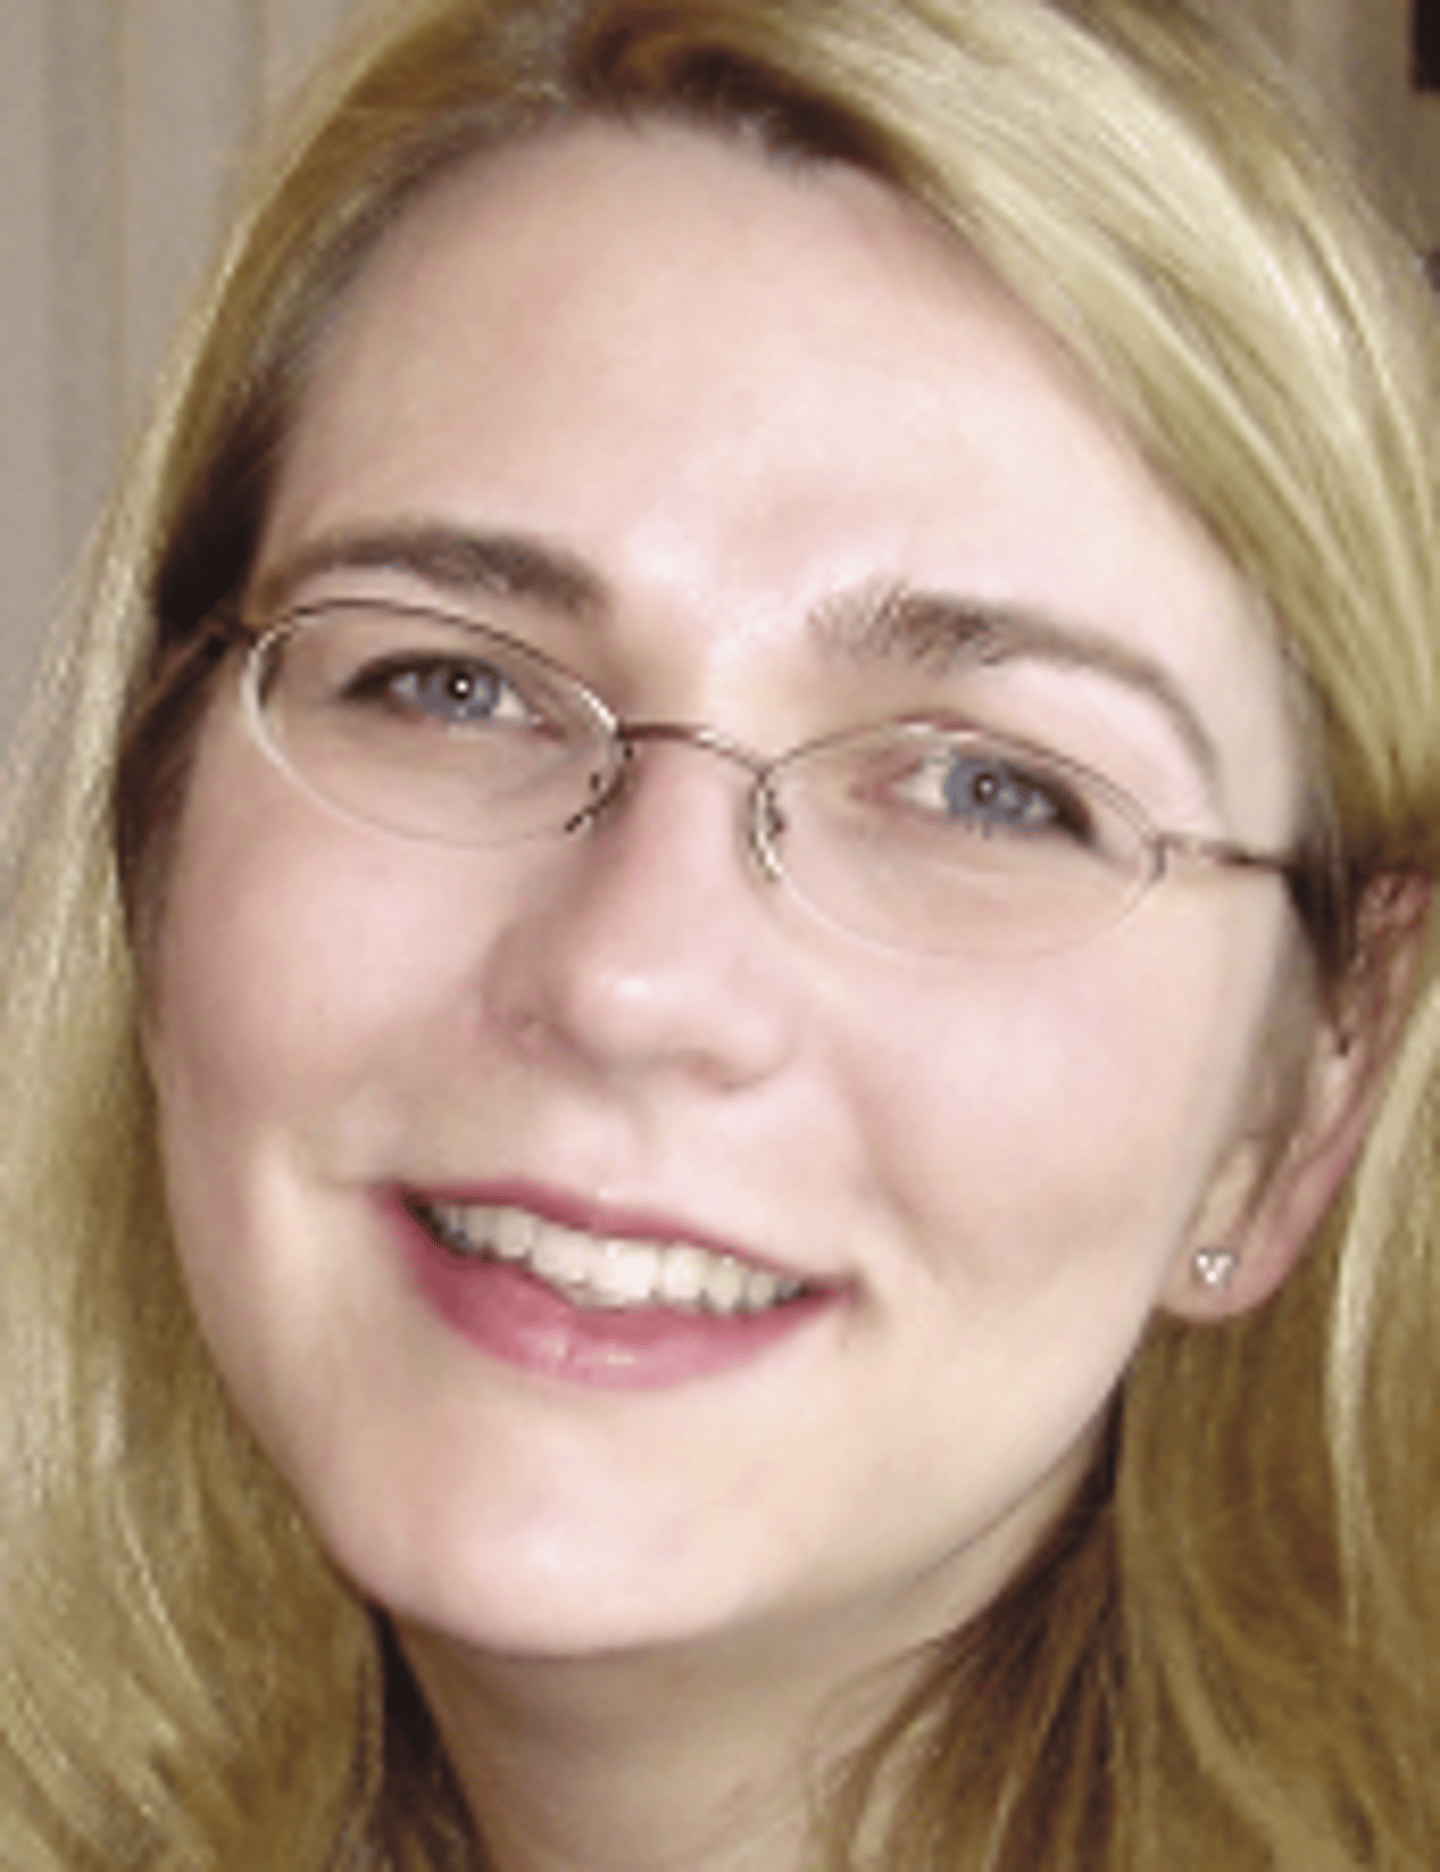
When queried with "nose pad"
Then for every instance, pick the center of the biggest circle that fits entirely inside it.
(605, 790)
(766, 825)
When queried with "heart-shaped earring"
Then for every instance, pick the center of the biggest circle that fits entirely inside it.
(1215, 1267)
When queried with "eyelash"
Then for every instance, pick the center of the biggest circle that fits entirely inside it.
(391, 678)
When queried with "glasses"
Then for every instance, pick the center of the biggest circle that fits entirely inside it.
(923, 836)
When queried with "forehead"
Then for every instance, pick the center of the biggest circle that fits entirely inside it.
(736, 391)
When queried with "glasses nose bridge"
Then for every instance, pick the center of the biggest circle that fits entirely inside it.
(631, 735)
(760, 807)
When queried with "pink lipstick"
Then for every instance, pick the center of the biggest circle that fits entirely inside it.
(570, 1289)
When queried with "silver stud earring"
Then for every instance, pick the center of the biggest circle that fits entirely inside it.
(1215, 1267)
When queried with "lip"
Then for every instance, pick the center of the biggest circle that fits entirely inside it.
(509, 1314)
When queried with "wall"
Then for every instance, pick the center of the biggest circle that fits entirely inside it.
(118, 121)
(1357, 55)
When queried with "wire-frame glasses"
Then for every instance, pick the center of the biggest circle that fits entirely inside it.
(930, 837)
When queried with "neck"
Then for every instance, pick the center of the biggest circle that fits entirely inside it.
(665, 1762)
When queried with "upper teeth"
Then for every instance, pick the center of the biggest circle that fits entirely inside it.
(600, 1271)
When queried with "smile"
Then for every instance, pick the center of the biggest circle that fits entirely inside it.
(606, 1272)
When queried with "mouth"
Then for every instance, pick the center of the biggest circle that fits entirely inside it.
(607, 1273)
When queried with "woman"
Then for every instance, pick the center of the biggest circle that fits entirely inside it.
(722, 1142)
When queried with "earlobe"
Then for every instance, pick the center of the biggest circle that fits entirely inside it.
(1260, 1214)
(1214, 1268)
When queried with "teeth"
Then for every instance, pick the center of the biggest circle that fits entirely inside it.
(682, 1276)
(726, 1287)
(596, 1272)
(513, 1236)
(562, 1257)
(632, 1270)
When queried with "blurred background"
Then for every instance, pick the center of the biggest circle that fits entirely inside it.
(119, 123)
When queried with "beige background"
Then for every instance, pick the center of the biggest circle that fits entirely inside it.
(118, 121)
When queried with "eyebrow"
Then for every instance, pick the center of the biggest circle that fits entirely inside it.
(893, 621)
(945, 632)
(454, 560)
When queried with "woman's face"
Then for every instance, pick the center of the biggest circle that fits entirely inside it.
(710, 406)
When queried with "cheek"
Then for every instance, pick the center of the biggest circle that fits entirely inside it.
(1030, 1122)
(300, 989)
(296, 955)
(275, 977)
(308, 982)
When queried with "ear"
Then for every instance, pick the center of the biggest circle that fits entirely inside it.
(1266, 1199)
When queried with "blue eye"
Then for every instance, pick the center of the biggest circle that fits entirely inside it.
(444, 691)
(956, 789)
(994, 795)
(451, 692)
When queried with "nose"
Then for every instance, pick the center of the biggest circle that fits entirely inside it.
(650, 947)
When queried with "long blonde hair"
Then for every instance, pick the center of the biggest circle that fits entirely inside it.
(1226, 1655)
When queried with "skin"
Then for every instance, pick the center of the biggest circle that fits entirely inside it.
(999, 1168)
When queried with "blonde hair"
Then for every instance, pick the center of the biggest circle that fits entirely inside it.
(1226, 1654)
